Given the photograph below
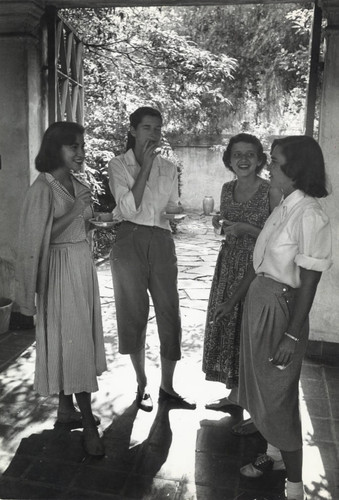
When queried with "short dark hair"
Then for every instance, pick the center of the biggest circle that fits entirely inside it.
(250, 139)
(57, 135)
(136, 118)
(304, 164)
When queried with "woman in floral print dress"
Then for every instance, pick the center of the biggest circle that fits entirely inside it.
(245, 204)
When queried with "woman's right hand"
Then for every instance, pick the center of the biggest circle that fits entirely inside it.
(150, 152)
(216, 219)
(222, 310)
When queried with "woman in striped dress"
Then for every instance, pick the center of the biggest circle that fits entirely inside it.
(54, 261)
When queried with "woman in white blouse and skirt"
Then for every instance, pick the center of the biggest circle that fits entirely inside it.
(291, 252)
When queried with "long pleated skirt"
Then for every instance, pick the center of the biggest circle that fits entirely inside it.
(270, 395)
(69, 335)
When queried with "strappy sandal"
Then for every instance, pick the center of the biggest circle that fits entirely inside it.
(92, 443)
(244, 428)
(262, 464)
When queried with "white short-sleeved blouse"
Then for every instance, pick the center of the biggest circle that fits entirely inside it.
(296, 234)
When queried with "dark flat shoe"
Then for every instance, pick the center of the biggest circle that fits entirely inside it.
(92, 442)
(176, 400)
(144, 400)
(223, 404)
(244, 428)
(261, 465)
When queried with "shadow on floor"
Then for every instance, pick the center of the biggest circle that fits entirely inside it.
(53, 464)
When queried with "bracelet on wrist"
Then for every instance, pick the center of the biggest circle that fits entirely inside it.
(291, 337)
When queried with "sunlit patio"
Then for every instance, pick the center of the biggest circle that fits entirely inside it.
(168, 453)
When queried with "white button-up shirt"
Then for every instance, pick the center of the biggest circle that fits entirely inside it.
(296, 234)
(161, 190)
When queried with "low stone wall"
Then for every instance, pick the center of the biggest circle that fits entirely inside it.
(203, 174)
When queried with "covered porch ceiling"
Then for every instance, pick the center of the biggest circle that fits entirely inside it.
(159, 3)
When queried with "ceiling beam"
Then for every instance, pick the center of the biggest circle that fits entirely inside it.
(60, 4)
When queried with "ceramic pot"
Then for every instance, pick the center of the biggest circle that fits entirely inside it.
(5, 314)
(208, 204)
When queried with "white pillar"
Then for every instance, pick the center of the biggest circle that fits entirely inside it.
(325, 311)
(21, 111)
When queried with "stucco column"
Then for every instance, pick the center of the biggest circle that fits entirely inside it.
(325, 312)
(21, 111)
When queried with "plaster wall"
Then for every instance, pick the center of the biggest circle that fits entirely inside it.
(20, 109)
(203, 175)
(325, 311)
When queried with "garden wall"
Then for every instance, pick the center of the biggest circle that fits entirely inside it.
(203, 174)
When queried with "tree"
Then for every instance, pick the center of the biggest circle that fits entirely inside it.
(133, 57)
(209, 70)
(271, 46)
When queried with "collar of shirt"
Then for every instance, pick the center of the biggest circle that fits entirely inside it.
(287, 204)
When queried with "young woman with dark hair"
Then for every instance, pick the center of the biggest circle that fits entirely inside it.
(55, 263)
(291, 252)
(143, 258)
(245, 204)
(57, 135)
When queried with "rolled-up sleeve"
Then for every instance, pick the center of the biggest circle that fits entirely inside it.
(121, 188)
(315, 241)
(173, 201)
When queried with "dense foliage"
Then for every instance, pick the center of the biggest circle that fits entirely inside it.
(271, 47)
(210, 70)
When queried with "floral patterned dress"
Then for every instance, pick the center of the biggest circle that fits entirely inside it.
(222, 339)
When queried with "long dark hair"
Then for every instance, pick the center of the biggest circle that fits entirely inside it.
(136, 118)
(250, 139)
(57, 135)
(304, 164)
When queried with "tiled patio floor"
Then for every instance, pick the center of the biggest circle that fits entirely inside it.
(168, 453)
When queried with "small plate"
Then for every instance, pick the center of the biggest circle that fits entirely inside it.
(174, 216)
(101, 223)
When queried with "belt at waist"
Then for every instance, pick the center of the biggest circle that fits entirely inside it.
(278, 283)
(68, 243)
(143, 226)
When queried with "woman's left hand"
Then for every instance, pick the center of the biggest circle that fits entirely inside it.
(284, 353)
(222, 310)
(235, 228)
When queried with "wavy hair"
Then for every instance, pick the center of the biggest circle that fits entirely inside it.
(250, 139)
(304, 163)
(57, 135)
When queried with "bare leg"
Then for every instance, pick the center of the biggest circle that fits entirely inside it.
(92, 442)
(294, 485)
(138, 361)
(66, 403)
(293, 463)
(167, 371)
(84, 403)
(233, 395)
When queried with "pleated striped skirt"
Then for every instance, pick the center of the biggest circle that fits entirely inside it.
(69, 335)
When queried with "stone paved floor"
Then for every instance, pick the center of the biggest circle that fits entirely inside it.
(169, 453)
